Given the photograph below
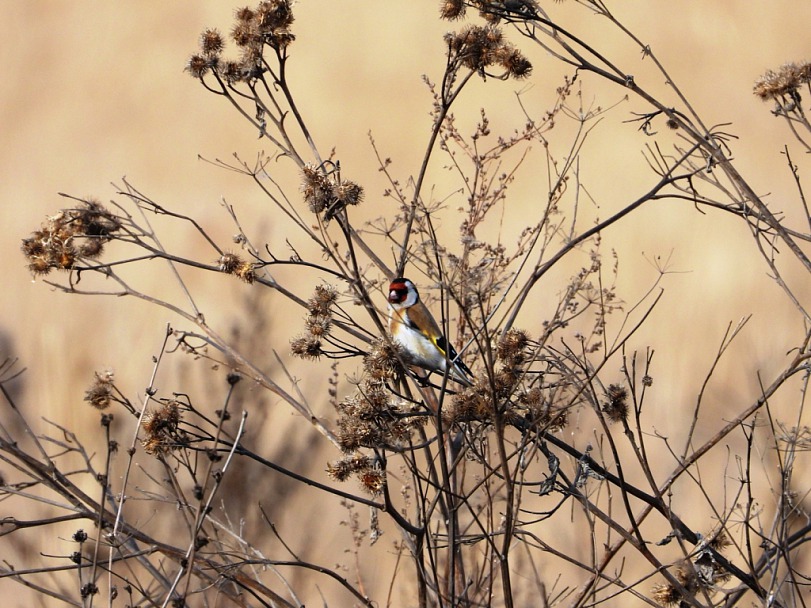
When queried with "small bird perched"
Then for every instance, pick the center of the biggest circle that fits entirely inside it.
(412, 326)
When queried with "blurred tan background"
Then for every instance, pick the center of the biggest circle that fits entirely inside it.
(95, 90)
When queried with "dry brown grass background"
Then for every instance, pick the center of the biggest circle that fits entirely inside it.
(94, 90)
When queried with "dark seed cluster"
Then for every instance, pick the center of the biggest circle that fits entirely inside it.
(480, 48)
(231, 263)
(68, 236)
(317, 324)
(267, 25)
(327, 193)
(162, 430)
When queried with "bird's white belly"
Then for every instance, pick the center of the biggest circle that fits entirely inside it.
(420, 351)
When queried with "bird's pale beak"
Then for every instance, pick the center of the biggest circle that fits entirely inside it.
(393, 297)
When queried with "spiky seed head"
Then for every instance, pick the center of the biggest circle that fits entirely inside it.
(452, 9)
(511, 349)
(783, 82)
(229, 262)
(274, 15)
(91, 247)
(616, 408)
(306, 347)
(198, 66)
(540, 412)
(349, 193)
(665, 594)
(211, 43)
(317, 189)
(166, 418)
(244, 34)
(340, 470)
(469, 404)
(383, 361)
(720, 541)
(231, 71)
(318, 326)
(372, 480)
(515, 63)
(100, 392)
(161, 428)
(324, 297)
(244, 14)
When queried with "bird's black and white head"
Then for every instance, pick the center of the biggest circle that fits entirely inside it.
(402, 293)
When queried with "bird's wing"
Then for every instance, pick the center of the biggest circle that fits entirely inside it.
(419, 318)
(446, 348)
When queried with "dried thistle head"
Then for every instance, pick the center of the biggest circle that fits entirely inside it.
(90, 248)
(616, 408)
(668, 595)
(273, 19)
(244, 33)
(92, 219)
(318, 326)
(701, 572)
(322, 300)
(665, 594)
(317, 189)
(475, 46)
(100, 392)
(268, 24)
(327, 193)
(480, 47)
(244, 13)
(69, 235)
(250, 62)
(373, 480)
(372, 417)
(719, 540)
(342, 469)
(784, 82)
(274, 15)
(231, 263)
(511, 349)
(470, 404)
(211, 43)
(514, 62)
(383, 361)
(198, 65)
(352, 435)
(452, 9)
(162, 420)
(318, 323)
(506, 381)
(162, 429)
(306, 347)
(349, 193)
(541, 412)
(232, 71)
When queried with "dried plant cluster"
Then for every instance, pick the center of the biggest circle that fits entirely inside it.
(473, 484)
(69, 237)
(785, 87)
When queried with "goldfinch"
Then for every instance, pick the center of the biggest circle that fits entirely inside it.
(413, 327)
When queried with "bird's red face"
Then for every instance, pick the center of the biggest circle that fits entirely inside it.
(399, 291)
